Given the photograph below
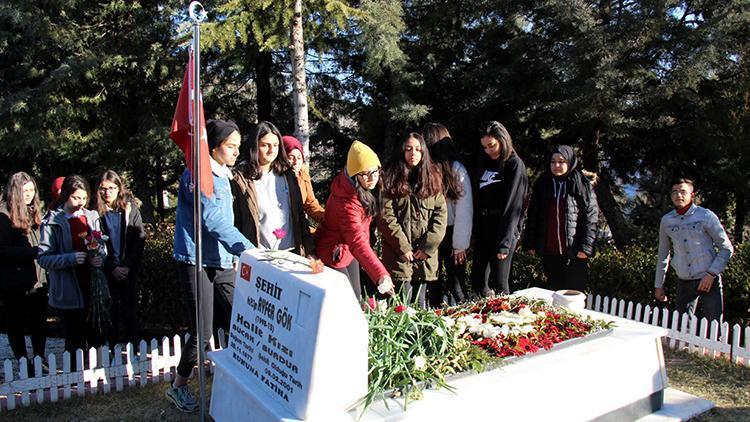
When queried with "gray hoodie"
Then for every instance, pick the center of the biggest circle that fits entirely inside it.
(56, 254)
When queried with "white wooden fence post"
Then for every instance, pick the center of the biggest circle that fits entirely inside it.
(143, 362)
(11, 398)
(23, 374)
(66, 375)
(81, 384)
(39, 376)
(106, 385)
(52, 364)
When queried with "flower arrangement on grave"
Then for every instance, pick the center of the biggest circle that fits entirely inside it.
(412, 348)
(316, 265)
(100, 297)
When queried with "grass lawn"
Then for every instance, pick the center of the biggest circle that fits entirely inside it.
(725, 384)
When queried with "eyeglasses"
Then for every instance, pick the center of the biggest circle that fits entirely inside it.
(109, 189)
(681, 192)
(370, 174)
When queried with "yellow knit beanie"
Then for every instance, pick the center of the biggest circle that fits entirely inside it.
(360, 158)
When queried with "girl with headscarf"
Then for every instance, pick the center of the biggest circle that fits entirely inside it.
(562, 220)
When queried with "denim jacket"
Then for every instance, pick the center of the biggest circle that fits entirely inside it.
(221, 240)
(57, 256)
(691, 241)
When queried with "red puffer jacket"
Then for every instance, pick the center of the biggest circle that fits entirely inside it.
(347, 225)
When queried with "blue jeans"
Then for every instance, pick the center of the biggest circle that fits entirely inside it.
(707, 304)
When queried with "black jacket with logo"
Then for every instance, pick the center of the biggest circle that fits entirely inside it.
(500, 196)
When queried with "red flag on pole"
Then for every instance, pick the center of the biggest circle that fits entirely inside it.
(182, 130)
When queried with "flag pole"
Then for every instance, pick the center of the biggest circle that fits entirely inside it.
(197, 15)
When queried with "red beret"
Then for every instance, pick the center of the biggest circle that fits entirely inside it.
(56, 186)
(292, 143)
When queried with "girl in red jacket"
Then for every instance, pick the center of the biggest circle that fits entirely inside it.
(343, 239)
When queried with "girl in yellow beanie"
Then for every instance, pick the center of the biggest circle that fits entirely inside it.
(343, 239)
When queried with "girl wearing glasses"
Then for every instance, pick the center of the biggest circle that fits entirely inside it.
(24, 283)
(562, 221)
(343, 239)
(413, 220)
(122, 222)
(501, 186)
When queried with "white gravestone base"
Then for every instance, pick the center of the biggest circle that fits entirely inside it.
(297, 344)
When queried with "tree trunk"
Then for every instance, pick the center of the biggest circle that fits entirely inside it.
(622, 233)
(618, 225)
(263, 85)
(299, 89)
(740, 215)
(144, 192)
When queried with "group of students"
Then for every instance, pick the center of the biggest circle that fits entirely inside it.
(425, 202)
(431, 205)
(45, 262)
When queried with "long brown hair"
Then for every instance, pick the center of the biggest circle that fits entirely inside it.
(500, 133)
(123, 194)
(423, 180)
(443, 153)
(22, 217)
(249, 165)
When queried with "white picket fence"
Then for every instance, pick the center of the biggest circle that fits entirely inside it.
(155, 362)
(714, 339)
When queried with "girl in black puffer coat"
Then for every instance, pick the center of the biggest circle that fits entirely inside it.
(562, 221)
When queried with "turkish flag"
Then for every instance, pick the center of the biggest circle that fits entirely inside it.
(182, 130)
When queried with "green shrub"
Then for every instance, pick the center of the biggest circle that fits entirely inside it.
(161, 306)
(737, 286)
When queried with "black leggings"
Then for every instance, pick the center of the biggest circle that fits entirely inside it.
(496, 280)
(124, 309)
(216, 289)
(26, 312)
(455, 274)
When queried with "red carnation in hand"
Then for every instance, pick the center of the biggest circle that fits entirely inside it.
(279, 233)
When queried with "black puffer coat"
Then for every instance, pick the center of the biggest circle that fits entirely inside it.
(581, 216)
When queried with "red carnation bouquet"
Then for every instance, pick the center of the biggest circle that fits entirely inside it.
(100, 297)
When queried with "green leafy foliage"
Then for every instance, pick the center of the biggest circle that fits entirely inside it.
(162, 309)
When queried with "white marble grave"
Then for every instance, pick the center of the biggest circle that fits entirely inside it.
(297, 347)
